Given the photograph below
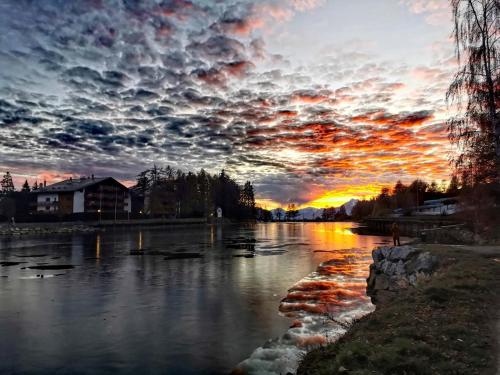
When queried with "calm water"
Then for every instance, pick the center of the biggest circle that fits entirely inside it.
(122, 313)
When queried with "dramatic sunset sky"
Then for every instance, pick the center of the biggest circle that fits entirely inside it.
(315, 101)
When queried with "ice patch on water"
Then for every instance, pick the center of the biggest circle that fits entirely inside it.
(321, 306)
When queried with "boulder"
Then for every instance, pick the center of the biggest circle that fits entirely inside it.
(402, 253)
(396, 268)
(381, 282)
(377, 255)
(387, 267)
(400, 268)
(424, 263)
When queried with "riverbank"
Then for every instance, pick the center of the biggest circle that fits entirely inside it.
(446, 324)
(21, 230)
(24, 229)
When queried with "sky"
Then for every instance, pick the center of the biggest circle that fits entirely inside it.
(314, 101)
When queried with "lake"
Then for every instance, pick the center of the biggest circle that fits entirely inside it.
(255, 299)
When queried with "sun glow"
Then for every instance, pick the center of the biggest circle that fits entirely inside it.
(332, 198)
(343, 194)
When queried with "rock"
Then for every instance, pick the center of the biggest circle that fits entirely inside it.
(377, 255)
(396, 268)
(370, 281)
(387, 267)
(400, 268)
(386, 251)
(424, 262)
(402, 253)
(381, 282)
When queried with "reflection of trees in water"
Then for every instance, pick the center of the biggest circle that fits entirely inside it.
(242, 244)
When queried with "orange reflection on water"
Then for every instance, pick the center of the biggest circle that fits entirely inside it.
(140, 240)
(98, 246)
(339, 281)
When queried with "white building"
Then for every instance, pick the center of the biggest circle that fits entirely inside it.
(84, 195)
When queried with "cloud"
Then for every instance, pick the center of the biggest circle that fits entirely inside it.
(303, 5)
(404, 119)
(116, 87)
(436, 12)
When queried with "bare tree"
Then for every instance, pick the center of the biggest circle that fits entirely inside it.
(476, 131)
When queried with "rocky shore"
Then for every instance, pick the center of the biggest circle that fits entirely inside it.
(436, 313)
(396, 268)
(28, 230)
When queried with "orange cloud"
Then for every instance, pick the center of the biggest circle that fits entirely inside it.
(243, 26)
(342, 194)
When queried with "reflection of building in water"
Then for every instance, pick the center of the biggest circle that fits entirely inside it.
(140, 240)
(219, 232)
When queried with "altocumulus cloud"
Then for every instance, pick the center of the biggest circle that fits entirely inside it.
(109, 87)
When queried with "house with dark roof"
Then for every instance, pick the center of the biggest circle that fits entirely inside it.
(85, 195)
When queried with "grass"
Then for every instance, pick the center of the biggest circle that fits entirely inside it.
(444, 326)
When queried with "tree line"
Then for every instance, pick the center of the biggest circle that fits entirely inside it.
(404, 197)
(175, 193)
(7, 185)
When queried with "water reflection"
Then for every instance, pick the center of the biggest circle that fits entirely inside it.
(320, 304)
(125, 313)
(98, 246)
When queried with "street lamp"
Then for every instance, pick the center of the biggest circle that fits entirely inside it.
(99, 212)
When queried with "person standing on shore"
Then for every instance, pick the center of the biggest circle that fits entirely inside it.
(395, 234)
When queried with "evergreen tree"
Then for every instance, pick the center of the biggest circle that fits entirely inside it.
(328, 214)
(177, 194)
(142, 183)
(248, 201)
(341, 214)
(26, 187)
(291, 211)
(279, 214)
(7, 184)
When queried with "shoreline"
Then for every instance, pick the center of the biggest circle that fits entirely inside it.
(26, 229)
(446, 324)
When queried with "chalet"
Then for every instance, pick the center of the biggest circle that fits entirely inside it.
(84, 195)
(434, 207)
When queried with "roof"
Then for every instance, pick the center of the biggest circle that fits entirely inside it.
(73, 184)
(450, 200)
